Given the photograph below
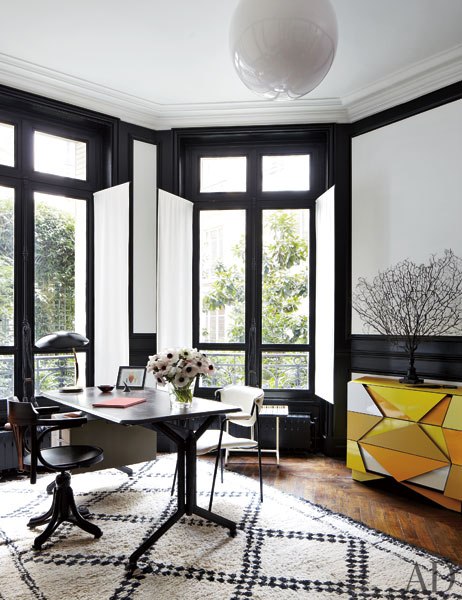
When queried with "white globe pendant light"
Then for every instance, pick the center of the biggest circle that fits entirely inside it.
(283, 49)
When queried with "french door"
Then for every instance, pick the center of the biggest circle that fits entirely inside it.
(253, 262)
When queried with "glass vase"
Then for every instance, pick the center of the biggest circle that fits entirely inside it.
(181, 397)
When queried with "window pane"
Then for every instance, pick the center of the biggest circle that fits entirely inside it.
(229, 368)
(223, 174)
(6, 266)
(7, 144)
(60, 264)
(54, 371)
(60, 156)
(222, 276)
(285, 370)
(6, 376)
(286, 173)
(285, 261)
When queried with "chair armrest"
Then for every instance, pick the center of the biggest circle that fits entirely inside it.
(63, 423)
(46, 410)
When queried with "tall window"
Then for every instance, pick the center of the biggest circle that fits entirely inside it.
(60, 268)
(60, 263)
(46, 186)
(7, 295)
(254, 257)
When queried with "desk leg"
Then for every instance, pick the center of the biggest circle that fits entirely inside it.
(191, 480)
(182, 470)
(191, 475)
(214, 518)
(181, 505)
(152, 540)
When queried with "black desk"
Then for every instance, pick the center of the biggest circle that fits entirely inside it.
(173, 423)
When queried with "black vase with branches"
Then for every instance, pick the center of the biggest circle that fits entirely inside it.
(410, 302)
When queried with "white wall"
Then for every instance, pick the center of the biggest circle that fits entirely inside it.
(406, 192)
(144, 237)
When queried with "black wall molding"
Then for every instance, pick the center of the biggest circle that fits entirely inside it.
(27, 102)
(142, 345)
(436, 358)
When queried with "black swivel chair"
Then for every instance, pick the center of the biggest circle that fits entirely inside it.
(31, 425)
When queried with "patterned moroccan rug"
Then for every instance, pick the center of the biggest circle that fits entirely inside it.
(285, 548)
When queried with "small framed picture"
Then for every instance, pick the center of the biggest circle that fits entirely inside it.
(132, 376)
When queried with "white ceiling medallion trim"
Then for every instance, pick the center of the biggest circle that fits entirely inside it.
(407, 84)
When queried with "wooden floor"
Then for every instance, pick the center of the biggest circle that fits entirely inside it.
(383, 505)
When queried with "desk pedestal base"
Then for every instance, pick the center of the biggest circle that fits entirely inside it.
(185, 441)
(197, 510)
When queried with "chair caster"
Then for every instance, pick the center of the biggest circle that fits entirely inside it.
(233, 533)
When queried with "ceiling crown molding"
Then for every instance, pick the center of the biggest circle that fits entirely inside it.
(407, 84)
(260, 112)
(36, 79)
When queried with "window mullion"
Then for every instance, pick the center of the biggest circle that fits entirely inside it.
(254, 283)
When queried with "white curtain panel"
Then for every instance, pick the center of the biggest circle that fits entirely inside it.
(174, 271)
(112, 220)
(325, 291)
(144, 237)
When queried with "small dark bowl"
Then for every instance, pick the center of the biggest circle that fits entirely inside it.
(106, 388)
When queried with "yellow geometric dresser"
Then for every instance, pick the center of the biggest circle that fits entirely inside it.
(413, 434)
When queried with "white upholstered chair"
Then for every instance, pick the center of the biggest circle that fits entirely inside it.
(250, 401)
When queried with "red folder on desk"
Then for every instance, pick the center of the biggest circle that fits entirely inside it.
(118, 402)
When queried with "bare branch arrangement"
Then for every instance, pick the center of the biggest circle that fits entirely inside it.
(409, 302)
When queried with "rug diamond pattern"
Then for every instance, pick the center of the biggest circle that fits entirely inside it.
(286, 548)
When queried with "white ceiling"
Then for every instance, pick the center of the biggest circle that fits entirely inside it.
(166, 63)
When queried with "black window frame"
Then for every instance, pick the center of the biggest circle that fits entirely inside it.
(311, 140)
(26, 180)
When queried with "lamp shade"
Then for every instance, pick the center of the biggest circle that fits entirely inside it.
(62, 340)
(283, 49)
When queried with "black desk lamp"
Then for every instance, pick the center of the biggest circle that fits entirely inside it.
(65, 341)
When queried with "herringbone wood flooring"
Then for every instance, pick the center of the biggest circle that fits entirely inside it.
(383, 505)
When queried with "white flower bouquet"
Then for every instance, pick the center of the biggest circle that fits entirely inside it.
(180, 367)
